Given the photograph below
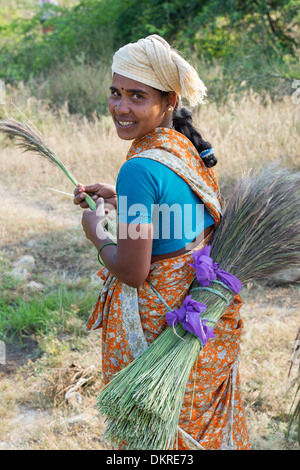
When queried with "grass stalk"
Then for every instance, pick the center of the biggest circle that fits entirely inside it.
(28, 138)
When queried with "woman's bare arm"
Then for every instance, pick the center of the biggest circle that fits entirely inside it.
(129, 260)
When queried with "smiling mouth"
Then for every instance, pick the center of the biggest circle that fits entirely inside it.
(124, 123)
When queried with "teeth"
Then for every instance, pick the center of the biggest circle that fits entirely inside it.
(126, 123)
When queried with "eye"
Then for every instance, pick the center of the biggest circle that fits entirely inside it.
(137, 97)
(114, 93)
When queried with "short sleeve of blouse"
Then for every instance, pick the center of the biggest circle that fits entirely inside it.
(137, 191)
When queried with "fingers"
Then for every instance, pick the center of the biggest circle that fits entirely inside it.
(91, 188)
(79, 197)
(79, 189)
(100, 210)
(96, 191)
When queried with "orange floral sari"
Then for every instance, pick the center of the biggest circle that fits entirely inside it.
(212, 411)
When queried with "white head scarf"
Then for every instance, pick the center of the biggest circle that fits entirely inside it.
(153, 62)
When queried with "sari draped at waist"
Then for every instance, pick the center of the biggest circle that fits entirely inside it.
(132, 318)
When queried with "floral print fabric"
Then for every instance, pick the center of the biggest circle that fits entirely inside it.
(212, 410)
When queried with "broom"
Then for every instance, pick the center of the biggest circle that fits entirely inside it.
(259, 235)
(30, 139)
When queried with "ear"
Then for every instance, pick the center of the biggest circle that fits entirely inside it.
(172, 99)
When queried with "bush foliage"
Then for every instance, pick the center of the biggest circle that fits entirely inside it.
(234, 43)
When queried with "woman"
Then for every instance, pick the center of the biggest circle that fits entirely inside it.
(168, 164)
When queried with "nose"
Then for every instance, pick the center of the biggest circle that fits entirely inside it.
(122, 107)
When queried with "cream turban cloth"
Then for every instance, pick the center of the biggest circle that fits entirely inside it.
(153, 62)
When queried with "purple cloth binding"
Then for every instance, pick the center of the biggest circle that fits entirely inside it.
(208, 271)
(190, 317)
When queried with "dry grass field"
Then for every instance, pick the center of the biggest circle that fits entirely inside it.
(45, 363)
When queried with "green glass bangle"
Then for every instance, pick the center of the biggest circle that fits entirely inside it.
(100, 251)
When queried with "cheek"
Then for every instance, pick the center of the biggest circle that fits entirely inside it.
(153, 115)
(111, 105)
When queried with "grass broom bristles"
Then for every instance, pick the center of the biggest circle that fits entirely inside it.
(28, 138)
(258, 235)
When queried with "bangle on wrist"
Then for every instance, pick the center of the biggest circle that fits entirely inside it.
(99, 258)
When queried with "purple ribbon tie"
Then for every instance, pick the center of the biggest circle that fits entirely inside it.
(208, 271)
(189, 314)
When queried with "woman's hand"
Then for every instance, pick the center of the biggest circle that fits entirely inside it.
(96, 191)
(92, 223)
(130, 260)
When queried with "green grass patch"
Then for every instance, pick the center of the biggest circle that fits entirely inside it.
(43, 313)
(63, 266)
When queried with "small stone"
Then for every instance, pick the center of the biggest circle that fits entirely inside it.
(77, 420)
(36, 286)
(27, 261)
(20, 273)
(31, 243)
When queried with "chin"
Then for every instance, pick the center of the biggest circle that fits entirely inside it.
(124, 136)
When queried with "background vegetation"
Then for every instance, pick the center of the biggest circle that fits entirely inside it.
(236, 45)
(247, 54)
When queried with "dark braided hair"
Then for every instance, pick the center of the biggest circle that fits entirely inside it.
(183, 122)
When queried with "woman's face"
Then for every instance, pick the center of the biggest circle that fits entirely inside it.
(138, 109)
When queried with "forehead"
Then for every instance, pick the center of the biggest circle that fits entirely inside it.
(121, 82)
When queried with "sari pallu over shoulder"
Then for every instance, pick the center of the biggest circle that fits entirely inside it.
(212, 410)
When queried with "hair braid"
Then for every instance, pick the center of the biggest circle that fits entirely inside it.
(183, 123)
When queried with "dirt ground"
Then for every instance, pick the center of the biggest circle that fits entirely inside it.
(36, 415)
(33, 388)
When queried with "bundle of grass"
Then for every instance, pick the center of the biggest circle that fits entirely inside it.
(30, 139)
(258, 236)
